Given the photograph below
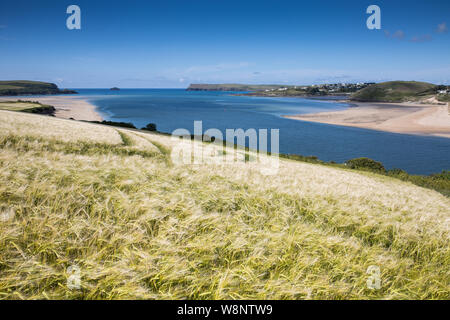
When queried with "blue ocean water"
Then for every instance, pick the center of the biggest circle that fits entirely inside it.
(171, 109)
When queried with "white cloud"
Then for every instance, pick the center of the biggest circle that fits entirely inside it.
(442, 28)
(423, 38)
(399, 34)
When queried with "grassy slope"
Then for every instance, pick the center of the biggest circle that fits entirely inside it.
(26, 106)
(444, 97)
(394, 91)
(112, 202)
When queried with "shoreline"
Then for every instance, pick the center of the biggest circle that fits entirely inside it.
(67, 107)
(404, 117)
(304, 96)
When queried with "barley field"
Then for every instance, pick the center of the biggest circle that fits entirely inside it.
(113, 203)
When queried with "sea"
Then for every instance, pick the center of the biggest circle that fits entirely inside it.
(172, 109)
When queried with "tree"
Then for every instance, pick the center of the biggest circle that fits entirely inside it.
(150, 127)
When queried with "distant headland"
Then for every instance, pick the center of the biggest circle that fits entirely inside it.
(114, 89)
(232, 87)
(392, 91)
(25, 87)
(410, 107)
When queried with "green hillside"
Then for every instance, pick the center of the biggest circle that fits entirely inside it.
(24, 87)
(394, 91)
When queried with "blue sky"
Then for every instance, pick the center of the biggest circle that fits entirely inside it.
(168, 44)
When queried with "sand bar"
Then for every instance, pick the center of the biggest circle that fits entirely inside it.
(66, 107)
(410, 118)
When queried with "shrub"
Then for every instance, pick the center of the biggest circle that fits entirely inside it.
(115, 124)
(365, 163)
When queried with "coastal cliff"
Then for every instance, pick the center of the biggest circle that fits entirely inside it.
(23, 87)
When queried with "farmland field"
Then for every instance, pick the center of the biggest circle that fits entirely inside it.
(112, 202)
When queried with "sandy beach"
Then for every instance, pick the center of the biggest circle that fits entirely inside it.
(410, 118)
(67, 107)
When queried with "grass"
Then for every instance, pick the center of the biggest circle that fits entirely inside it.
(111, 202)
(439, 182)
(444, 97)
(27, 106)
